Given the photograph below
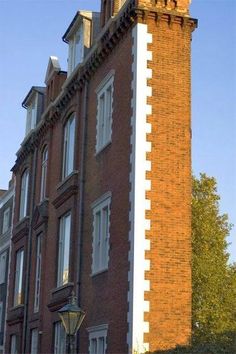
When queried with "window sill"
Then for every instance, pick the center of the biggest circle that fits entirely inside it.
(94, 274)
(61, 287)
(16, 313)
(59, 296)
(102, 148)
(66, 188)
(66, 179)
(21, 229)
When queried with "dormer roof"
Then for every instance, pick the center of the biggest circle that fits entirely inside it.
(53, 66)
(75, 23)
(34, 89)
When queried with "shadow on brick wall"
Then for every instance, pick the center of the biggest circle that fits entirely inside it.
(222, 344)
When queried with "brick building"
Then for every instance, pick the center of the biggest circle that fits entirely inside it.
(6, 207)
(103, 186)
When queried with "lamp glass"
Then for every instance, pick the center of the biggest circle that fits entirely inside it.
(71, 320)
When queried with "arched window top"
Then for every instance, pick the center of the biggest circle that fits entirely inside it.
(24, 193)
(68, 148)
(44, 169)
(45, 154)
(70, 117)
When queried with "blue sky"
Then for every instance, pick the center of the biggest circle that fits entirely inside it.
(31, 31)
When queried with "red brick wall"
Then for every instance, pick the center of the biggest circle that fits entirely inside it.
(170, 234)
(104, 296)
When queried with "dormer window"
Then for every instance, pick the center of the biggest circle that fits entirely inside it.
(31, 115)
(79, 37)
(34, 104)
(76, 49)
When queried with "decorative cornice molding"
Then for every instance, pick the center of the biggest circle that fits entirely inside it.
(112, 35)
(20, 230)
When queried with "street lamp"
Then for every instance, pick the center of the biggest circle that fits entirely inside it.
(72, 317)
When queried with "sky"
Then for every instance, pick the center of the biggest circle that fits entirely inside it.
(31, 31)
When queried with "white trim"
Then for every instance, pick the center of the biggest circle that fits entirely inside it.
(6, 221)
(105, 92)
(3, 267)
(97, 332)
(138, 284)
(38, 271)
(1, 316)
(106, 79)
(101, 233)
(101, 199)
(7, 196)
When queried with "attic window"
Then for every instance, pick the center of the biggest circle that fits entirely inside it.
(76, 49)
(31, 114)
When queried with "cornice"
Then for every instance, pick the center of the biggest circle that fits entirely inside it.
(20, 230)
(110, 36)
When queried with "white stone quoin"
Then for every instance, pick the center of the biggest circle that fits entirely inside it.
(139, 185)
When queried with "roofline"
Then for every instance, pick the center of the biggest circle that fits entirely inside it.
(33, 88)
(78, 14)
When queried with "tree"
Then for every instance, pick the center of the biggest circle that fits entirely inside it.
(214, 280)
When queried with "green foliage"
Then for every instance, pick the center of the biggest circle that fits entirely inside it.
(214, 281)
(213, 278)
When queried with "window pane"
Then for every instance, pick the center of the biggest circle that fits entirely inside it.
(34, 341)
(101, 214)
(97, 243)
(13, 345)
(59, 339)
(37, 274)
(101, 120)
(105, 225)
(24, 194)
(6, 219)
(108, 114)
(71, 145)
(64, 250)
(69, 142)
(19, 278)
(33, 116)
(3, 262)
(79, 46)
(101, 345)
(93, 344)
(1, 315)
(104, 114)
(44, 174)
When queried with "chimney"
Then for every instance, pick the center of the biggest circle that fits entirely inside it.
(109, 8)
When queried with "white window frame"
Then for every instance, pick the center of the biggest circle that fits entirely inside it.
(64, 250)
(18, 289)
(44, 168)
(101, 233)
(68, 147)
(104, 93)
(24, 194)
(38, 272)
(1, 316)
(95, 335)
(6, 220)
(3, 267)
(76, 49)
(13, 345)
(59, 338)
(31, 115)
(34, 341)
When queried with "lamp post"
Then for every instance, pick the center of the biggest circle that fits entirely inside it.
(72, 317)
